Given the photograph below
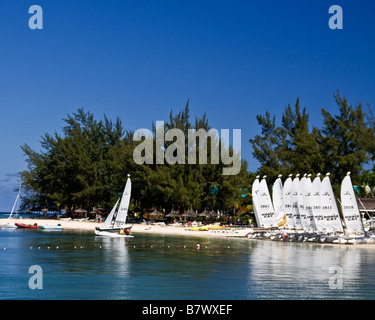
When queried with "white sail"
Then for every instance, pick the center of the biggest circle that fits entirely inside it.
(307, 200)
(14, 206)
(329, 207)
(301, 204)
(294, 194)
(349, 207)
(317, 208)
(16, 203)
(266, 211)
(255, 199)
(108, 221)
(124, 205)
(14, 212)
(277, 197)
(287, 203)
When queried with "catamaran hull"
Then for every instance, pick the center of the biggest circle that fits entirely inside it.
(126, 228)
(9, 226)
(51, 228)
(112, 234)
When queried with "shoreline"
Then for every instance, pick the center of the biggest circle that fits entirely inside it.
(230, 232)
(142, 228)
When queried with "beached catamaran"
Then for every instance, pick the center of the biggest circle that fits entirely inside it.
(355, 232)
(115, 224)
(277, 198)
(308, 211)
(255, 196)
(264, 206)
(286, 201)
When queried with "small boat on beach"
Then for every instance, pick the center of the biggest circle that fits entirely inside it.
(47, 227)
(27, 226)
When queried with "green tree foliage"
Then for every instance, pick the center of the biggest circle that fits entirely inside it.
(87, 166)
(344, 143)
(291, 147)
(346, 139)
(76, 169)
(191, 186)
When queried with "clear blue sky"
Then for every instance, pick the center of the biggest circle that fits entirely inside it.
(140, 59)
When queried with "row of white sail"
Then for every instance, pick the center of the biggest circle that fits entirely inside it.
(306, 204)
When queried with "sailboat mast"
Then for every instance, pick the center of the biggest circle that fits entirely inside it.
(16, 202)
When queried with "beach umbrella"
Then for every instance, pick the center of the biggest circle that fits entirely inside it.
(172, 214)
(213, 214)
(156, 213)
(189, 213)
(81, 210)
(204, 214)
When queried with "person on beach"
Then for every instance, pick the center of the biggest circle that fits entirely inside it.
(285, 234)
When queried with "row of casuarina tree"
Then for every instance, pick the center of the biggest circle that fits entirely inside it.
(86, 163)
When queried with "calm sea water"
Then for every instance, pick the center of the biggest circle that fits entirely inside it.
(85, 266)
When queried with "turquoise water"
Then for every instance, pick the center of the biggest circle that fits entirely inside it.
(80, 265)
(5, 215)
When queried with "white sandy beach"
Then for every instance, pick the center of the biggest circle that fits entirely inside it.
(141, 228)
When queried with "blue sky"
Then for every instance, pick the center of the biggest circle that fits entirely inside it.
(140, 59)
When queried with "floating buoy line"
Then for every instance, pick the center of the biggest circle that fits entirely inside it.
(197, 247)
(138, 246)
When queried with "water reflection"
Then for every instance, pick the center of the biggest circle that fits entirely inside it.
(115, 254)
(308, 271)
(79, 265)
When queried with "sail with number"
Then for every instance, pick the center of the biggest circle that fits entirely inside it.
(317, 208)
(124, 206)
(301, 204)
(307, 200)
(277, 197)
(329, 207)
(255, 200)
(294, 194)
(286, 202)
(266, 211)
(352, 216)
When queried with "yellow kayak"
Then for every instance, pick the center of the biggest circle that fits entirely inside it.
(206, 228)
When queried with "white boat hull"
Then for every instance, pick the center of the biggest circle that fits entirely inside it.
(125, 227)
(112, 234)
(50, 228)
(9, 225)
